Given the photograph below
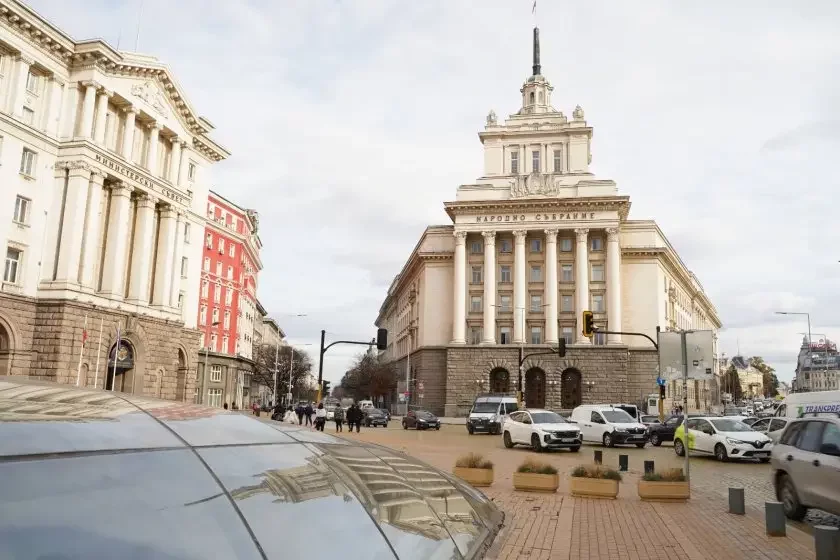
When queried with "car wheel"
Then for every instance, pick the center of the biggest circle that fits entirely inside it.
(405, 427)
(508, 441)
(470, 429)
(790, 500)
(385, 425)
(535, 443)
(608, 440)
(575, 449)
(655, 441)
(678, 447)
(437, 428)
(720, 452)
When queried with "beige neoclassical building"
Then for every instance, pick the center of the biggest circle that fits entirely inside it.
(104, 174)
(533, 243)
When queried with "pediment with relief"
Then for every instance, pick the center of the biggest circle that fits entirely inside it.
(534, 184)
(152, 96)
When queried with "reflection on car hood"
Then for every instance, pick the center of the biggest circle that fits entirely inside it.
(96, 470)
(558, 427)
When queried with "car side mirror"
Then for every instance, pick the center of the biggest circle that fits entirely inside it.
(830, 449)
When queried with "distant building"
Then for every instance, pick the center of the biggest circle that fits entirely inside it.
(752, 380)
(818, 366)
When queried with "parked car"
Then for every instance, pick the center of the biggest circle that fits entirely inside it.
(608, 425)
(806, 466)
(374, 417)
(725, 438)
(541, 429)
(659, 433)
(649, 420)
(487, 413)
(420, 419)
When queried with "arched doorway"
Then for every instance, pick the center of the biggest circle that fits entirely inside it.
(535, 388)
(499, 380)
(570, 395)
(118, 377)
(181, 386)
(5, 351)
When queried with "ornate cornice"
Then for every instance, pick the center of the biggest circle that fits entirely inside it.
(520, 235)
(621, 204)
(581, 233)
(460, 237)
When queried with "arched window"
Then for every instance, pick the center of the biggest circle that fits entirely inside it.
(531, 98)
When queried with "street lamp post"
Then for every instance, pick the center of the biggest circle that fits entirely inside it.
(206, 362)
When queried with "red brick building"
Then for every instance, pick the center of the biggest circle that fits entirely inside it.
(227, 311)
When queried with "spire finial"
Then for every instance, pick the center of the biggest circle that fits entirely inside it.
(536, 67)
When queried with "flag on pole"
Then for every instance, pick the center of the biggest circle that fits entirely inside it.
(84, 334)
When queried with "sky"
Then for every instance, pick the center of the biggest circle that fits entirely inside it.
(351, 122)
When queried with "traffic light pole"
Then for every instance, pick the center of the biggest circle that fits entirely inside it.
(324, 351)
(622, 333)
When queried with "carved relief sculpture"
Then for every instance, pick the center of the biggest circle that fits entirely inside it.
(149, 93)
(491, 118)
(533, 184)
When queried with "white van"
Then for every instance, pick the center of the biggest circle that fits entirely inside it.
(609, 425)
(488, 413)
(796, 404)
(365, 404)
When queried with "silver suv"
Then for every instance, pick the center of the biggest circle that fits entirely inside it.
(806, 466)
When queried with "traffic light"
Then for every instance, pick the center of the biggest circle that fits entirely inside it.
(382, 339)
(662, 391)
(588, 324)
(561, 347)
(325, 391)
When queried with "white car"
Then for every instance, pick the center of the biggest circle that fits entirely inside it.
(608, 425)
(541, 429)
(723, 437)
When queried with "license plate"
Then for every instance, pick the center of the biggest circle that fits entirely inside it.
(568, 440)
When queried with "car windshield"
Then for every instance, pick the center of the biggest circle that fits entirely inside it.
(425, 414)
(547, 418)
(485, 407)
(373, 411)
(730, 425)
(617, 416)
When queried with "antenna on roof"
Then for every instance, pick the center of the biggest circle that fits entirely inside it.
(139, 16)
(119, 37)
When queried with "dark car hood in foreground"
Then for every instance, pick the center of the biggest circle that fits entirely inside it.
(95, 474)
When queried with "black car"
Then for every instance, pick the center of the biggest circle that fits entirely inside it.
(658, 433)
(375, 417)
(420, 419)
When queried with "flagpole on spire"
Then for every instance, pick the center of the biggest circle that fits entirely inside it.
(534, 12)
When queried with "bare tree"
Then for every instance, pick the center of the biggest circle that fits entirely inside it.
(369, 378)
(264, 356)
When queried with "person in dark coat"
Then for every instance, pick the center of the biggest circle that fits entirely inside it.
(299, 411)
(308, 412)
(354, 417)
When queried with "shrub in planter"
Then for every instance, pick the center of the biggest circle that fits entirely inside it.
(669, 486)
(475, 469)
(594, 481)
(535, 476)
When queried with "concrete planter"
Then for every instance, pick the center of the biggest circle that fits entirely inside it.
(533, 482)
(476, 477)
(593, 487)
(661, 491)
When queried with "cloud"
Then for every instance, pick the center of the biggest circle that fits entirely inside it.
(351, 122)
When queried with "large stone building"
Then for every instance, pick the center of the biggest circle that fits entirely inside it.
(104, 174)
(534, 242)
(817, 366)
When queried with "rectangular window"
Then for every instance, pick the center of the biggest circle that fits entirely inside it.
(191, 172)
(475, 335)
(514, 163)
(566, 244)
(227, 319)
(181, 296)
(558, 160)
(504, 335)
(215, 314)
(536, 335)
(536, 303)
(204, 288)
(225, 341)
(597, 272)
(230, 272)
(221, 245)
(32, 82)
(214, 397)
(219, 268)
(536, 273)
(535, 161)
(505, 246)
(596, 244)
(28, 116)
(206, 266)
(599, 339)
(504, 274)
(11, 271)
(476, 275)
(185, 265)
(232, 251)
(217, 293)
(214, 343)
(536, 245)
(203, 315)
(187, 232)
(567, 303)
(216, 373)
(228, 297)
(504, 303)
(27, 162)
(568, 334)
(209, 240)
(475, 304)
(21, 215)
(598, 303)
(475, 247)
(567, 273)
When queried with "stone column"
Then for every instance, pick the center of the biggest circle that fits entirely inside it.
(17, 89)
(582, 281)
(459, 281)
(72, 222)
(152, 153)
(183, 167)
(176, 261)
(101, 114)
(551, 285)
(93, 229)
(88, 106)
(128, 133)
(165, 253)
(520, 287)
(113, 270)
(175, 161)
(613, 285)
(54, 103)
(489, 287)
(141, 253)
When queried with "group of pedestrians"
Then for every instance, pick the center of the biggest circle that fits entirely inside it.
(303, 416)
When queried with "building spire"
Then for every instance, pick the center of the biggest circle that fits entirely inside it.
(536, 67)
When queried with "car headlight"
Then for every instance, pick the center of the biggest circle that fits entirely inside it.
(734, 441)
(622, 430)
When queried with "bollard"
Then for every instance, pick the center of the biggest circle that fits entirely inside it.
(736, 501)
(622, 463)
(599, 457)
(826, 542)
(649, 467)
(774, 519)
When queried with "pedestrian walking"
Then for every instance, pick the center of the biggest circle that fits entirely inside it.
(226, 406)
(320, 417)
(338, 416)
(308, 411)
(300, 411)
(354, 417)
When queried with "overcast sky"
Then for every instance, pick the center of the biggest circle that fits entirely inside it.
(350, 123)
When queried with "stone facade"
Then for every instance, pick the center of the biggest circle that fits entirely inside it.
(428, 366)
(44, 338)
